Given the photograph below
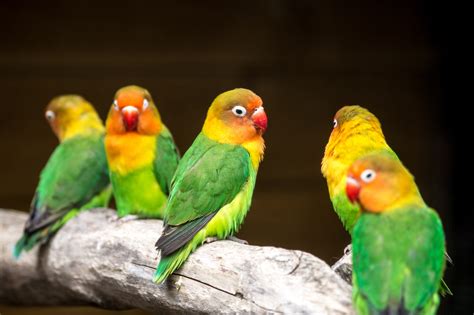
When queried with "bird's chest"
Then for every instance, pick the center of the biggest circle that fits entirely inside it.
(126, 153)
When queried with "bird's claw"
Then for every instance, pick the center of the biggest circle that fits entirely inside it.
(348, 250)
(127, 218)
(209, 240)
(237, 240)
(178, 283)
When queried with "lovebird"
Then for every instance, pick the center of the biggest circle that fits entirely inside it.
(212, 189)
(398, 243)
(75, 177)
(356, 132)
(141, 153)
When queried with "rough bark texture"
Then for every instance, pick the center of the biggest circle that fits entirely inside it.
(96, 259)
(343, 267)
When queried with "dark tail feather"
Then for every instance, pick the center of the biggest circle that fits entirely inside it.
(175, 237)
(400, 311)
(393, 310)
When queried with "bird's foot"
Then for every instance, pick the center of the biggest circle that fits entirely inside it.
(127, 218)
(177, 284)
(348, 250)
(211, 239)
(237, 240)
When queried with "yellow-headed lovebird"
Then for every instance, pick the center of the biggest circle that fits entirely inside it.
(212, 189)
(76, 175)
(398, 243)
(141, 153)
(356, 132)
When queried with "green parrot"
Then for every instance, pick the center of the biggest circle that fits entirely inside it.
(76, 175)
(398, 243)
(212, 189)
(141, 153)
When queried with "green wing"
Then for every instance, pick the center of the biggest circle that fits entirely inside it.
(398, 260)
(208, 177)
(167, 158)
(75, 173)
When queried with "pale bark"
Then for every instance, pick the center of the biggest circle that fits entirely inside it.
(98, 260)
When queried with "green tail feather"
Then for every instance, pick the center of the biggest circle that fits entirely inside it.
(23, 244)
(169, 264)
(27, 242)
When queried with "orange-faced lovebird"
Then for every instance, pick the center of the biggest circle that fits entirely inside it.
(141, 153)
(398, 243)
(76, 175)
(212, 189)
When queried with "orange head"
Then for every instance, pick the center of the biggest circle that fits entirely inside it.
(235, 117)
(70, 115)
(380, 182)
(133, 110)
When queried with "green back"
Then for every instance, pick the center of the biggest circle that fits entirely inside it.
(166, 161)
(209, 176)
(398, 260)
(75, 173)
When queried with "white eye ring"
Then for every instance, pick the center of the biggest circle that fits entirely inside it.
(239, 111)
(368, 175)
(145, 104)
(334, 123)
(50, 115)
(116, 107)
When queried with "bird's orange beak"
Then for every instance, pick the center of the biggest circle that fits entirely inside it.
(130, 117)
(259, 119)
(352, 189)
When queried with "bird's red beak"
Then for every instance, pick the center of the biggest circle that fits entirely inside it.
(259, 119)
(130, 117)
(352, 189)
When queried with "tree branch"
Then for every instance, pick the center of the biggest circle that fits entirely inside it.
(98, 260)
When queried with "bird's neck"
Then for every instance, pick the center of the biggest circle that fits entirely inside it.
(256, 149)
(345, 149)
(82, 127)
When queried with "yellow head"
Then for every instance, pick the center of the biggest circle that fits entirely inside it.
(356, 132)
(237, 117)
(380, 182)
(351, 122)
(72, 115)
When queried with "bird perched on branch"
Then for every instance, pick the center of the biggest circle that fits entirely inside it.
(76, 175)
(141, 153)
(212, 189)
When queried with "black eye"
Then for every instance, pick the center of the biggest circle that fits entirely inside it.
(116, 107)
(239, 111)
(368, 175)
(50, 115)
(334, 123)
(145, 104)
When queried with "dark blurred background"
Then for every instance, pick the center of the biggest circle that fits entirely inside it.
(305, 59)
